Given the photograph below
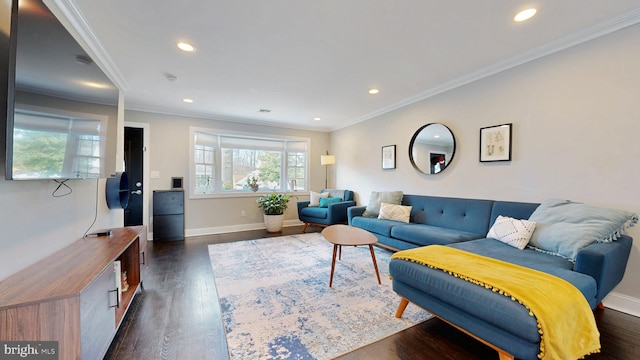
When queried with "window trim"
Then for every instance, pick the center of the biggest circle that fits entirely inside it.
(217, 163)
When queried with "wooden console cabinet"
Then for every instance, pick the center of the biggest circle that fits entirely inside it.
(71, 296)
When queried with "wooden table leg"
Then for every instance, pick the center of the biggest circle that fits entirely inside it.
(333, 264)
(375, 265)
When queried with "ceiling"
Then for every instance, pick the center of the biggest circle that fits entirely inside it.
(305, 59)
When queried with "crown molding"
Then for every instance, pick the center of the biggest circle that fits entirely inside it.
(70, 15)
(229, 118)
(606, 27)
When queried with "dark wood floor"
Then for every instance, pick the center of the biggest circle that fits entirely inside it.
(177, 316)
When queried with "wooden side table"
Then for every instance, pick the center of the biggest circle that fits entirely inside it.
(345, 235)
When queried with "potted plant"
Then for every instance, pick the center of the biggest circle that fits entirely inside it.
(274, 205)
(252, 182)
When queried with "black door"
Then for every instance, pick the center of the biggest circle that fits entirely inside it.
(133, 159)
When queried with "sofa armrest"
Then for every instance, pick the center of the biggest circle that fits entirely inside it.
(355, 211)
(338, 211)
(605, 262)
(303, 204)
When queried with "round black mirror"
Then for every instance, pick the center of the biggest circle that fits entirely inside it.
(432, 148)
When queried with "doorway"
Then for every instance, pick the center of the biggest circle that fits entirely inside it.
(136, 161)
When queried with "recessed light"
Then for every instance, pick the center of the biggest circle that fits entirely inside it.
(186, 47)
(374, 91)
(524, 15)
(317, 118)
(187, 100)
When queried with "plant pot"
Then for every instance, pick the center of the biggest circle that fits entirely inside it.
(273, 223)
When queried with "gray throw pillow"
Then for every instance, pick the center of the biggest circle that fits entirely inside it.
(335, 193)
(378, 197)
(564, 227)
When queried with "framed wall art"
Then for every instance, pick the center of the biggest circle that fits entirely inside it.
(495, 143)
(388, 157)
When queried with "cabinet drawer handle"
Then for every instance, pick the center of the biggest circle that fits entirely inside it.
(117, 305)
(143, 259)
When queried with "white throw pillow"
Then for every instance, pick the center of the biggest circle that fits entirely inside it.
(395, 212)
(377, 198)
(315, 197)
(510, 231)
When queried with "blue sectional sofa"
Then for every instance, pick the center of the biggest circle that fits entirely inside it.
(463, 223)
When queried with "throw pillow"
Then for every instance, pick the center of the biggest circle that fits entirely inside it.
(335, 193)
(395, 212)
(314, 198)
(325, 202)
(564, 227)
(512, 231)
(389, 197)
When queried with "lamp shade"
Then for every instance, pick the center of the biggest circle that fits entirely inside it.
(327, 159)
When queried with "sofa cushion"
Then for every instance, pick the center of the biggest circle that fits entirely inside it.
(314, 212)
(516, 210)
(513, 232)
(565, 227)
(377, 198)
(530, 258)
(491, 307)
(374, 225)
(314, 198)
(518, 347)
(468, 215)
(325, 202)
(484, 304)
(395, 212)
(335, 193)
(420, 234)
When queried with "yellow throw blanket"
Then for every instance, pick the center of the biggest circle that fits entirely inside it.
(567, 326)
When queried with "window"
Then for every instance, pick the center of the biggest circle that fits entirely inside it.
(225, 162)
(204, 162)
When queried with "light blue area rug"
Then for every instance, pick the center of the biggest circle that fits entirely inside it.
(276, 302)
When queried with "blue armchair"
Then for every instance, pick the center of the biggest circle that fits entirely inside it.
(334, 213)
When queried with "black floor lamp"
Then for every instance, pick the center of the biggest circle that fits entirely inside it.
(327, 160)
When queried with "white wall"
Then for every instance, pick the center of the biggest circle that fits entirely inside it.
(34, 224)
(576, 129)
(169, 149)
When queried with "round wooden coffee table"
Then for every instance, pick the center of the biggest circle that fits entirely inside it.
(345, 235)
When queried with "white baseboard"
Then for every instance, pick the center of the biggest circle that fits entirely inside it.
(623, 303)
(230, 229)
(222, 229)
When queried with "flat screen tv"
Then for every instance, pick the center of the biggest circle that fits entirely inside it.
(62, 110)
